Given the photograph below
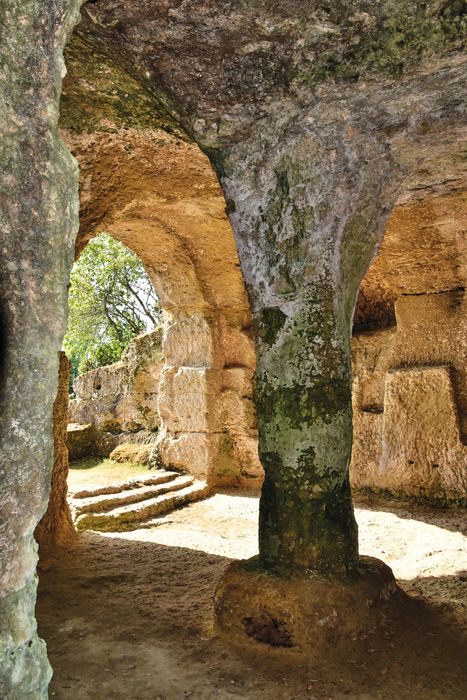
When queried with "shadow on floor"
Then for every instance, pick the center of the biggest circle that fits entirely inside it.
(126, 619)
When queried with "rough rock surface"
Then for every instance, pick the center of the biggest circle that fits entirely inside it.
(316, 117)
(424, 247)
(55, 532)
(158, 195)
(423, 240)
(38, 223)
(422, 253)
(126, 452)
(80, 440)
(364, 142)
(410, 400)
(119, 401)
(312, 615)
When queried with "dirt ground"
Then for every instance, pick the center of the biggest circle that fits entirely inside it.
(93, 472)
(129, 615)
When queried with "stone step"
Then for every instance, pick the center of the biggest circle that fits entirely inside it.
(160, 476)
(132, 516)
(105, 502)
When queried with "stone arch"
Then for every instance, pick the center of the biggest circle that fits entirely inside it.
(159, 196)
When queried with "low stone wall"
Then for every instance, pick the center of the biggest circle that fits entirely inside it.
(206, 414)
(410, 401)
(118, 403)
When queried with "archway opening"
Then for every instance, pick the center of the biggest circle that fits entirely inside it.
(409, 388)
(150, 187)
(114, 345)
(158, 196)
(111, 303)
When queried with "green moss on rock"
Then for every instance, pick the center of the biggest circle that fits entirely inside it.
(303, 525)
(99, 95)
(390, 38)
(302, 405)
(271, 322)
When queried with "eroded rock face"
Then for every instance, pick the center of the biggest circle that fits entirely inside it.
(413, 297)
(80, 440)
(219, 67)
(409, 400)
(55, 532)
(424, 247)
(39, 219)
(119, 402)
(379, 126)
(266, 92)
(315, 116)
(312, 615)
(158, 194)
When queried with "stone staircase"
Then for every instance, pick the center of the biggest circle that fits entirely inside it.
(135, 503)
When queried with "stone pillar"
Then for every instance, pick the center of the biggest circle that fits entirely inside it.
(55, 532)
(307, 218)
(38, 223)
(305, 428)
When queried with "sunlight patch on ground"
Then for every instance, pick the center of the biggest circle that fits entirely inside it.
(94, 472)
(226, 525)
(223, 525)
(410, 546)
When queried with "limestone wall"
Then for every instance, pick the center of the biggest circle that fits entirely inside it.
(39, 217)
(157, 193)
(410, 400)
(119, 401)
(208, 414)
(159, 196)
(310, 131)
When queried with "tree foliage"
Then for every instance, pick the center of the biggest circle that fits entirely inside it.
(110, 301)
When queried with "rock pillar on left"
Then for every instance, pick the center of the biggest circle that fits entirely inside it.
(38, 224)
(55, 532)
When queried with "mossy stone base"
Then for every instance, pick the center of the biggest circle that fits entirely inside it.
(308, 614)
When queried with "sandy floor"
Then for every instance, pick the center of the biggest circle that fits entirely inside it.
(129, 616)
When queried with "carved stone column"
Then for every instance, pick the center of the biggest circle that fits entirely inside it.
(307, 216)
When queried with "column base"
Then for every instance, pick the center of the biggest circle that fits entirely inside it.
(305, 613)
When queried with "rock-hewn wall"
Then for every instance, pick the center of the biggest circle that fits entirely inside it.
(424, 249)
(129, 164)
(409, 399)
(316, 116)
(409, 395)
(158, 195)
(119, 401)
